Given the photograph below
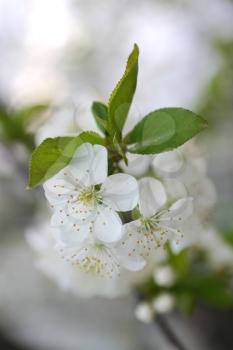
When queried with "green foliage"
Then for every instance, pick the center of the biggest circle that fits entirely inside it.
(209, 288)
(180, 261)
(100, 113)
(217, 99)
(186, 302)
(13, 124)
(228, 237)
(195, 281)
(163, 130)
(122, 96)
(53, 154)
(159, 131)
(29, 112)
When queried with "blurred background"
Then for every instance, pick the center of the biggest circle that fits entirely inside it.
(57, 56)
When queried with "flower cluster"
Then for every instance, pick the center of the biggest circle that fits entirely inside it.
(90, 234)
(183, 173)
(116, 197)
(86, 206)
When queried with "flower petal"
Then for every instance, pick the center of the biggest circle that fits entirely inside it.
(181, 209)
(175, 189)
(137, 164)
(174, 220)
(72, 234)
(131, 250)
(107, 226)
(60, 218)
(204, 196)
(169, 163)
(132, 263)
(89, 164)
(152, 196)
(120, 192)
(59, 187)
(92, 259)
(81, 213)
(69, 230)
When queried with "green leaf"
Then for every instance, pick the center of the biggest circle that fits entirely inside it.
(186, 302)
(53, 154)
(14, 124)
(100, 113)
(163, 130)
(228, 237)
(210, 289)
(180, 262)
(122, 96)
(12, 129)
(26, 113)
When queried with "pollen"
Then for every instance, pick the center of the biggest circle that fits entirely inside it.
(88, 196)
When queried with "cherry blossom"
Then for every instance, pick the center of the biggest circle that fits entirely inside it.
(85, 201)
(156, 224)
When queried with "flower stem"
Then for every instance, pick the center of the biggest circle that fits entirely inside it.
(169, 333)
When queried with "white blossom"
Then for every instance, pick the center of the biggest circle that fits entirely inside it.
(183, 173)
(202, 191)
(144, 312)
(184, 163)
(85, 201)
(99, 259)
(69, 276)
(156, 223)
(164, 303)
(164, 276)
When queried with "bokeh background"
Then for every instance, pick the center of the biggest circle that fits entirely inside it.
(65, 54)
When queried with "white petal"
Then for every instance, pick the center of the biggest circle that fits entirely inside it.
(133, 248)
(144, 312)
(72, 234)
(120, 192)
(164, 303)
(60, 218)
(204, 195)
(190, 173)
(168, 163)
(81, 213)
(91, 259)
(137, 164)
(89, 164)
(181, 209)
(175, 189)
(59, 184)
(132, 263)
(59, 187)
(175, 219)
(107, 226)
(74, 213)
(152, 196)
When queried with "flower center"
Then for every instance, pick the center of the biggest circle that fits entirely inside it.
(147, 224)
(152, 232)
(91, 264)
(97, 260)
(89, 195)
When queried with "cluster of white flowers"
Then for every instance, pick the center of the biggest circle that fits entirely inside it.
(90, 236)
(100, 252)
(107, 233)
(183, 173)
